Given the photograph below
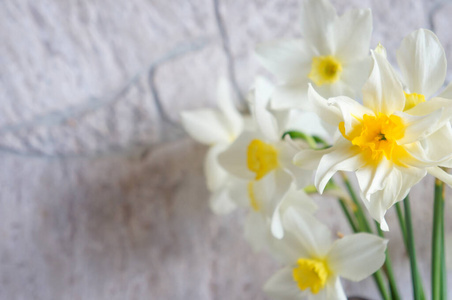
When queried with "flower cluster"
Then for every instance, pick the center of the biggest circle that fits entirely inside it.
(337, 107)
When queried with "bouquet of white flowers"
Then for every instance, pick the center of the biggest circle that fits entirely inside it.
(357, 114)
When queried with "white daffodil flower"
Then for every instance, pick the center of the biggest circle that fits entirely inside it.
(261, 154)
(379, 141)
(314, 262)
(217, 129)
(334, 55)
(423, 65)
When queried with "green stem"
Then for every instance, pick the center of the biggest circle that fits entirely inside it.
(364, 226)
(443, 265)
(389, 271)
(401, 222)
(300, 135)
(438, 215)
(379, 279)
(417, 283)
(348, 215)
(359, 213)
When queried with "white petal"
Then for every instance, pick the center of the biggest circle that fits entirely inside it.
(205, 126)
(418, 127)
(441, 175)
(437, 146)
(291, 95)
(422, 62)
(337, 88)
(357, 256)
(345, 157)
(256, 231)
(226, 104)
(238, 191)
(216, 175)
(221, 203)
(417, 156)
(265, 120)
(264, 191)
(297, 200)
(282, 286)
(313, 236)
(431, 106)
(234, 159)
(317, 24)
(352, 33)
(289, 60)
(335, 291)
(286, 153)
(288, 249)
(447, 92)
(328, 113)
(372, 179)
(354, 75)
(282, 181)
(309, 159)
(380, 49)
(398, 184)
(307, 122)
(383, 91)
(351, 111)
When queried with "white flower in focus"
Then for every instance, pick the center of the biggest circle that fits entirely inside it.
(314, 263)
(217, 129)
(262, 158)
(334, 55)
(378, 141)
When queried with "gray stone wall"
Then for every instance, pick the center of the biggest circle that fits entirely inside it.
(102, 194)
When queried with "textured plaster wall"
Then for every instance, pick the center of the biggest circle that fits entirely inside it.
(102, 194)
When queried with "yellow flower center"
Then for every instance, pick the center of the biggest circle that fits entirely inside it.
(377, 136)
(311, 273)
(261, 158)
(254, 203)
(411, 100)
(325, 69)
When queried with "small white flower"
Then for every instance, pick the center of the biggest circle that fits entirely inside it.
(378, 141)
(217, 129)
(261, 155)
(334, 55)
(314, 263)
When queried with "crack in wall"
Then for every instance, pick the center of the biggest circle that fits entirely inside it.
(168, 129)
(227, 50)
(92, 104)
(58, 117)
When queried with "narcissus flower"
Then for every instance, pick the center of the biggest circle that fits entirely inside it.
(334, 55)
(261, 154)
(379, 141)
(217, 129)
(314, 262)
